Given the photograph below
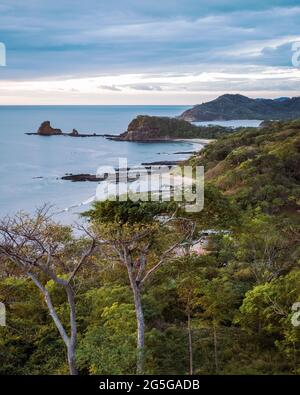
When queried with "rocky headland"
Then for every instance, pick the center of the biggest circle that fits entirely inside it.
(147, 128)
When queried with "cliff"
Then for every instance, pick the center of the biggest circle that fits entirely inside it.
(229, 107)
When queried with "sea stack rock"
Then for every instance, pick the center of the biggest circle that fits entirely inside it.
(74, 133)
(47, 130)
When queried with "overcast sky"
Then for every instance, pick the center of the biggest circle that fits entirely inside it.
(147, 51)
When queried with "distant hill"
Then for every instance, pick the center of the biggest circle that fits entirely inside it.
(149, 128)
(229, 107)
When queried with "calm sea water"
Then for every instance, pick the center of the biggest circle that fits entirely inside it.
(233, 124)
(31, 166)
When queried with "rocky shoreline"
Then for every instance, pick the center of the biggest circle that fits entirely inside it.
(47, 130)
(163, 163)
(145, 129)
(68, 134)
(82, 177)
(146, 135)
(121, 174)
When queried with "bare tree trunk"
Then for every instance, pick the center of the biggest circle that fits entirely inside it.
(216, 347)
(72, 360)
(140, 322)
(191, 367)
(23, 240)
(73, 338)
(141, 332)
(70, 342)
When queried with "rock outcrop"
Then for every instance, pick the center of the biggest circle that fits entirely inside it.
(230, 107)
(47, 130)
(82, 177)
(151, 128)
(74, 133)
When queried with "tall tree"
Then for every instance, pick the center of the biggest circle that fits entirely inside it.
(43, 251)
(137, 237)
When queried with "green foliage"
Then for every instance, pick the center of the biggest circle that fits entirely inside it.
(127, 212)
(218, 211)
(266, 314)
(238, 295)
(29, 343)
(115, 326)
(257, 167)
(158, 127)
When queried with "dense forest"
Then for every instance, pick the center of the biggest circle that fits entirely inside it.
(121, 299)
(147, 128)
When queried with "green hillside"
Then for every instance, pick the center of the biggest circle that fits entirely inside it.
(258, 168)
(141, 306)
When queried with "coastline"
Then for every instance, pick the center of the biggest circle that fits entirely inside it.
(104, 185)
(41, 163)
(86, 177)
(68, 134)
(195, 141)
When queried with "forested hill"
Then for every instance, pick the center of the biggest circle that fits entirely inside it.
(149, 128)
(258, 167)
(227, 107)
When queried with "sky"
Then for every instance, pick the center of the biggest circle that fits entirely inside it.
(147, 51)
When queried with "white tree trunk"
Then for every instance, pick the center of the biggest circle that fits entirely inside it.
(140, 322)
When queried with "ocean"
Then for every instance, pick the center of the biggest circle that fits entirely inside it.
(32, 166)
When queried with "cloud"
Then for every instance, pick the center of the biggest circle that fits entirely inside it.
(110, 88)
(62, 41)
(144, 87)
